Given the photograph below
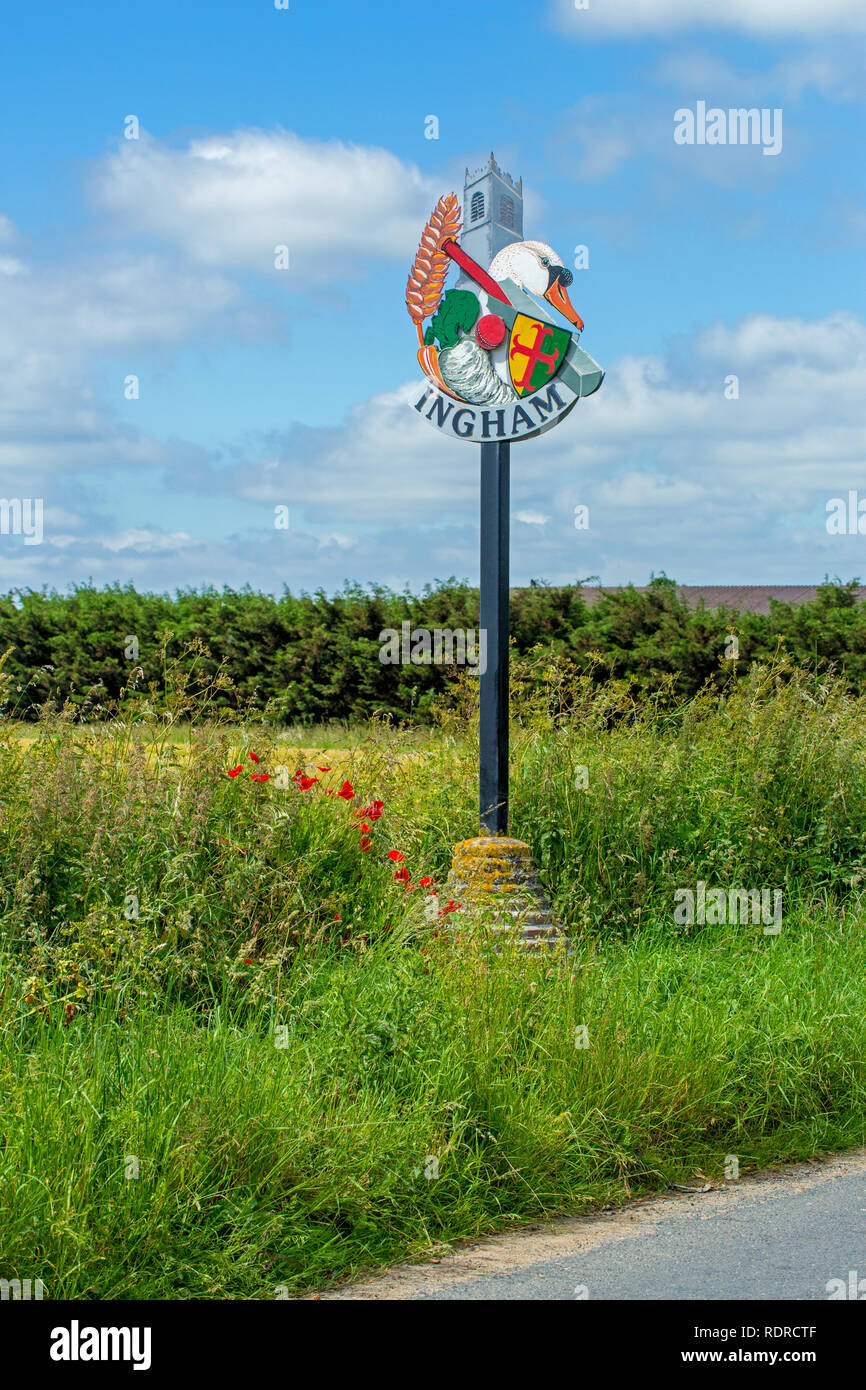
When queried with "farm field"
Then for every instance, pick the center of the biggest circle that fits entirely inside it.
(246, 1053)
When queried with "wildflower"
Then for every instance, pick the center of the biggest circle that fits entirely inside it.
(255, 757)
(260, 776)
(425, 882)
(337, 917)
(248, 961)
(304, 782)
(374, 810)
(401, 876)
(397, 855)
(365, 829)
(233, 771)
(322, 769)
(365, 845)
(347, 791)
(450, 906)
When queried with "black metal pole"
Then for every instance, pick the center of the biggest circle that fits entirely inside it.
(494, 617)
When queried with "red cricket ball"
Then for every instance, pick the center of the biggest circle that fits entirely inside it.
(490, 330)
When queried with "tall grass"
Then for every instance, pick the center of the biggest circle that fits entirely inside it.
(163, 1154)
(238, 1056)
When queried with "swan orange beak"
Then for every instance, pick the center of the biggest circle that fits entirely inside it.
(557, 295)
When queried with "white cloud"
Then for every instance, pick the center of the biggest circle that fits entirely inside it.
(832, 344)
(118, 301)
(676, 475)
(53, 321)
(378, 466)
(773, 18)
(144, 540)
(650, 490)
(229, 200)
(833, 70)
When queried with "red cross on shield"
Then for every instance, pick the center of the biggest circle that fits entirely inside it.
(536, 351)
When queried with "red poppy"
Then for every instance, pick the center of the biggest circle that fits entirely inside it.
(449, 907)
(247, 961)
(304, 782)
(260, 776)
(347, 791)
(425, 882)
(401, 876)
(374, 810)
(255, 757)
(397, 855)
(365, 844)
(233, 771)
(365, 829)
(337, 917)
(322, 769)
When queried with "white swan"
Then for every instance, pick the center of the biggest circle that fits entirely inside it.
(535, 267)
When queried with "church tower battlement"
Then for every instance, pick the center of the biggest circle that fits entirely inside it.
(492, 212)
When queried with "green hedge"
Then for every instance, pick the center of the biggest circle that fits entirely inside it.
(313, 657)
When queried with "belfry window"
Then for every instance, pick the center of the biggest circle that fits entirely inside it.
(477, 207)
(506, 212)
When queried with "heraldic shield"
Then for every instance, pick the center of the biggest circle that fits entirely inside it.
(536, 351)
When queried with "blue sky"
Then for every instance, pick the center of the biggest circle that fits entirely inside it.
(259, 387)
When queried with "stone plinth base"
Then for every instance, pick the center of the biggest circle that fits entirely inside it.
(496, 876)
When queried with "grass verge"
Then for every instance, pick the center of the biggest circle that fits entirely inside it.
(245, 1049)
(399, 1100)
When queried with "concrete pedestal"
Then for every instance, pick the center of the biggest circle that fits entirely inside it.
(495, 876)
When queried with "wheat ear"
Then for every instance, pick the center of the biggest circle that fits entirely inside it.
(431, 265)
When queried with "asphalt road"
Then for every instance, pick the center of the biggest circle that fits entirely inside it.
(779, 1235)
